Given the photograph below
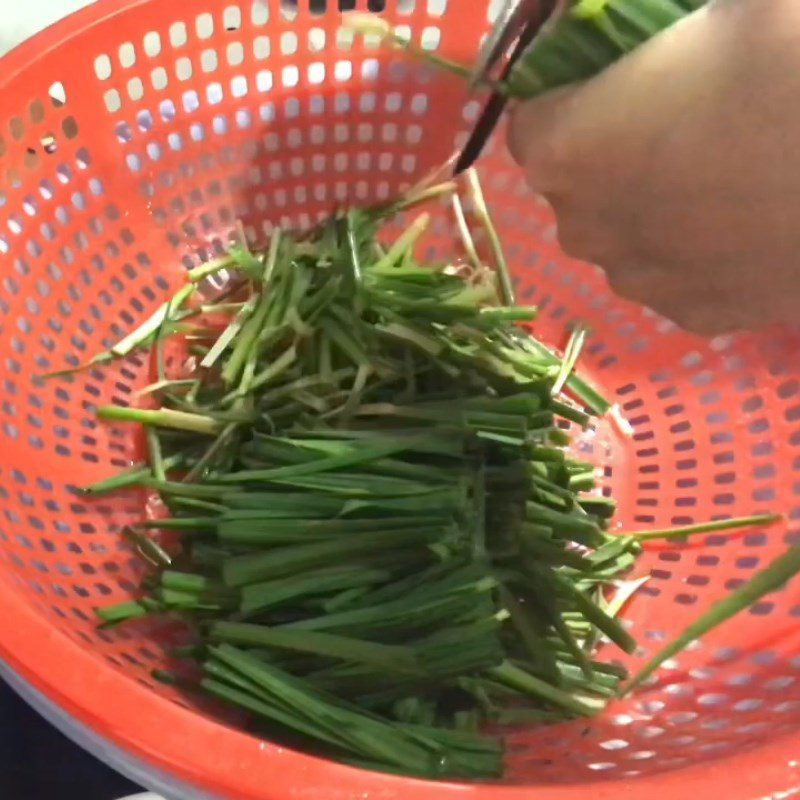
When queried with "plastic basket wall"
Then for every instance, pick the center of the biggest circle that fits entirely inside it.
(132, 137)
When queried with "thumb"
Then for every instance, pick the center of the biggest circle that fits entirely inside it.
(538, 135)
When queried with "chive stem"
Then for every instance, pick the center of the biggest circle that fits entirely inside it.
(715, 526)
(163, 418)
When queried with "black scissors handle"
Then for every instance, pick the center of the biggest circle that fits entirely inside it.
(522, 24)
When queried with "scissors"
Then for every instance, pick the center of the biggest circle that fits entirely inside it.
(517, 25)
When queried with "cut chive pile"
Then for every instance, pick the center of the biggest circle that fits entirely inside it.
(384, 543)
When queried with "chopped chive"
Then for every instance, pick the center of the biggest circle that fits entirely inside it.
(156, 457)
(405, 242)
(130, 478)
(572, 353)
(114, 615)
(272, 255)
(148, 548)
(275, 369)
(163, 418)
(423, 195)
(482, 211)
(163, 385)
(767, 580)
(707, 527)
(198, 274)
(389, 657)
(524, 682)
(228, 335)
(463, 229)
(151, 324)
(625, 591)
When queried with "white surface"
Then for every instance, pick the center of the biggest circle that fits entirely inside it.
(146, 796)
(131, 767)
(20, 19)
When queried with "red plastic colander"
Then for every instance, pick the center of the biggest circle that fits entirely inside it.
(133, 136)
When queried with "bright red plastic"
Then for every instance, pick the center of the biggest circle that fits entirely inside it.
(133, 135)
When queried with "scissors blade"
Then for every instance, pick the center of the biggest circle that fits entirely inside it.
(520, 21)
(510, 21)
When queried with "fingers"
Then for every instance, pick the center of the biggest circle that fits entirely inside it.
(695, 302)
(656, 174)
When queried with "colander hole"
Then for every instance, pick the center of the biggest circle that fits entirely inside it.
(152, 44)
(204, 26)
(261, 50)
(36, 111)
(57, 94)
(290, 77)
(159, 78)
(288, 43)
(135, 89)
(370, 69)
(712, 699)
(650, 731)
(682, 717)
(126, 55)
(191, 101)
(214, 93)
(701, 673)
(177, 34)
(749, 704)
(69, 127)
(431, 38)
(678, 689)
(112, 100)
(777, 684)
(753, 727)
(317, 40)
(760, 426)
(232, 19)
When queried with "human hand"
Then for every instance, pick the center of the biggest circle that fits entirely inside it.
(678, 169)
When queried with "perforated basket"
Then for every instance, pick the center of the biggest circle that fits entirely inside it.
(132, 137)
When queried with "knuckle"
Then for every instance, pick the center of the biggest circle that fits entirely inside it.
(539, 142)
(707, 319)
(580, 239)
(634, 283)
(553, 161)
(573, 242)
